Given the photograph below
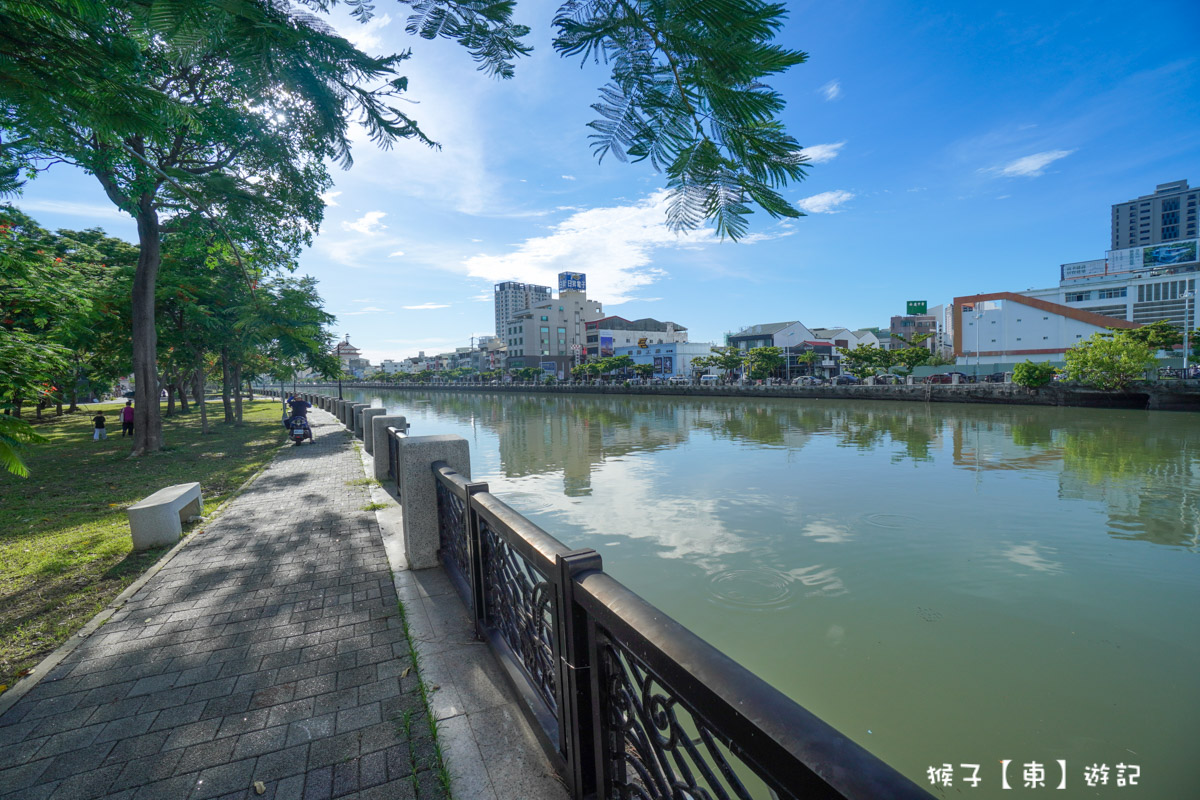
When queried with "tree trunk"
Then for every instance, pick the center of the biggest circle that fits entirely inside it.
(198, 394)
(170, 398)
(74, 399)
(147, 418)
(225, 399)
(250, 389)
(58, 408)
(237, 393)
(181, 388)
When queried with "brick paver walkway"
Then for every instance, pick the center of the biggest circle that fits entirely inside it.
(270, 649)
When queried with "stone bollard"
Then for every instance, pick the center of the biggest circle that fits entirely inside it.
(344, 412)
(339, 411)
(363, 430)
(355, 422)
(908, 380)
(379, 445)
(954, 378)
(417, 455)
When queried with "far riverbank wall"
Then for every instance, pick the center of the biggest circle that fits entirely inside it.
(1172, 396)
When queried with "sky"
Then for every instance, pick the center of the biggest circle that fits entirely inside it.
(956, 148)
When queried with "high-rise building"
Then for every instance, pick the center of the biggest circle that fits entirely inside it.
(512, 297)
(1166, 215)
(550, 334)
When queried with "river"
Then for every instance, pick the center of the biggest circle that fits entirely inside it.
(947, 584)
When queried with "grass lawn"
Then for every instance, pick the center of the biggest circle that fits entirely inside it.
(65, 550)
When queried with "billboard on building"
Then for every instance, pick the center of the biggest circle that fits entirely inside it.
(1082, 269)
(1168, 254)
(549, 366)
(916, 307)
(1159, 255)
(572, 282)
(606, 346)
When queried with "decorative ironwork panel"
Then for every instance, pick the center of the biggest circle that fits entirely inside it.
(520, 605)
(393, 457)
(452, 529)
(654, 747)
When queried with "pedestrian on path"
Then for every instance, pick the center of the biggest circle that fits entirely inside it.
(100, 431)
(127, 419)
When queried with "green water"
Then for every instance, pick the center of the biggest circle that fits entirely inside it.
(947, 584)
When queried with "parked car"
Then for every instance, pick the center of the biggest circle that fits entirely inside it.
(709, 380)
(678, 380)
(887, 380)
(846, 380)
(808, 380)
(995, 377)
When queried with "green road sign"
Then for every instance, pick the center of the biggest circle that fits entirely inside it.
(917, 307)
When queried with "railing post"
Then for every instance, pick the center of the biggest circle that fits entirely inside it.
(365, 431)
(577, 727)
(417, 456)
(380, 445)
(475, 555)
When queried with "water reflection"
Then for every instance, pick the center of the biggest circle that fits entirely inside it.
(1142, 466)
(943, 583)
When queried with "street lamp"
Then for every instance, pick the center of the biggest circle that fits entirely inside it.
(787, 354)
(978, 325)
(1187, 308)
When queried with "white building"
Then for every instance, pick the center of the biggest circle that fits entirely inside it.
(512, 297)
(669, 358)
(606, 334)
(551, 334)
(1007, 327)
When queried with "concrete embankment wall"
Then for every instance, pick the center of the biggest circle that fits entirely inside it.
(1174, 396)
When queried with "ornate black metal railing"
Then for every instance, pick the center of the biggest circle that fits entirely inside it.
(628, 702)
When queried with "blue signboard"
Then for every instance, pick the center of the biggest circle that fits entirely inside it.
(572, 282)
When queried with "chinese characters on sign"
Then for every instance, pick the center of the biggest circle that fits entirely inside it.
(1035, 775)
(572, 282)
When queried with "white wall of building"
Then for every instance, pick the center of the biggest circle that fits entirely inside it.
(1002, 329)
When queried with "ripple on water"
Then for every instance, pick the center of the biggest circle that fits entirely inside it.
(758, 587)
(527, 501)
(891, 521)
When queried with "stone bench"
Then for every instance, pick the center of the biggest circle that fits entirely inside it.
(158, 520)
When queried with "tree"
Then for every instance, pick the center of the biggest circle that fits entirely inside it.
(1110, 361)
(727, 359)
(1160, 335)
(687, 88)
(864, 361)
(763, 361)
(260, 100)
(1031, 375)
(810, 358)
(644, 371)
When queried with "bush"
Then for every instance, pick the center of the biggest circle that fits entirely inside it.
(1032, 375)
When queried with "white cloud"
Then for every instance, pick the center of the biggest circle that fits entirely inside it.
(825, 202)
(426, 306)
(613, 245)
(361, 311)
(96, 210)
(328, 198)
(396, 254)
(831, 90)
(368, 223)
(820, 153)
(366, 36)
(486, 297)
(1031, 166)
(568, 177)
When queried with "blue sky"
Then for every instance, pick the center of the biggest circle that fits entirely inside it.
(959, 148)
